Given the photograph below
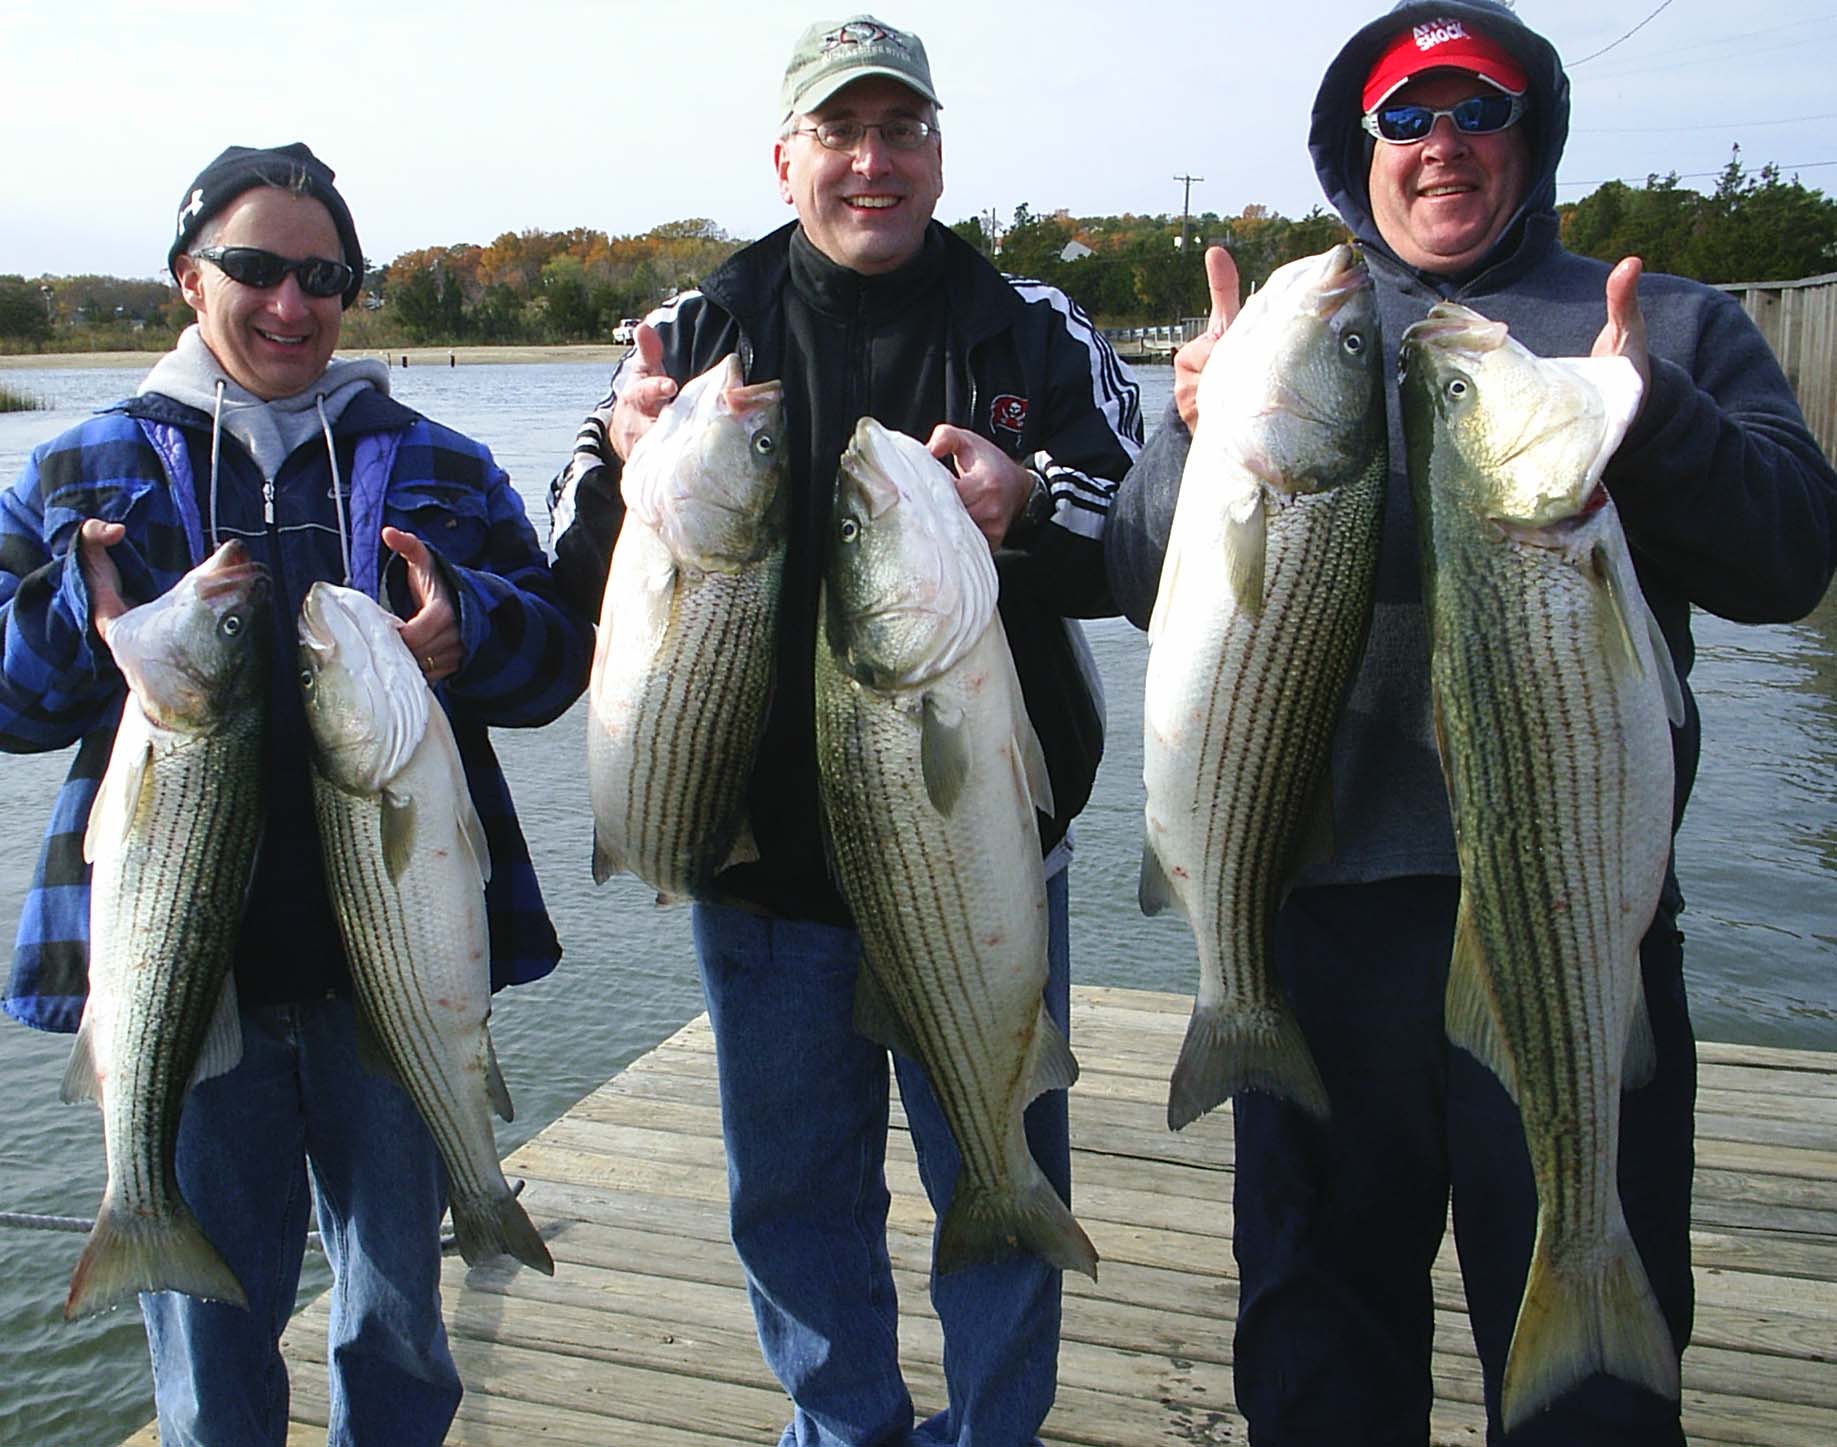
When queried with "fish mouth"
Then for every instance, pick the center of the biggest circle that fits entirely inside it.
(1451, 327)
(230, 573)
(1342, 278)
(859, 471)
(744, 400)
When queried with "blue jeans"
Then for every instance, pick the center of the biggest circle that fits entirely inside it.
(804, 1103)
(1338, 1223)
(246, 1139)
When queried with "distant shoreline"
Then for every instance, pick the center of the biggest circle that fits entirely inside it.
(417, 356)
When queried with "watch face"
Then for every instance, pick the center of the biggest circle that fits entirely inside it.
(1039, 503)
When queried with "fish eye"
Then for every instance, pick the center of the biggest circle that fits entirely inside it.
(306, 680)
(231, 626)
(1456, 389)
(1354, 343)
(850, 530)
(765, 444)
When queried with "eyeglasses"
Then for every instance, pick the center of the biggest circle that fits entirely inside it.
(1478, 115)
(899, 135)
(260, 269)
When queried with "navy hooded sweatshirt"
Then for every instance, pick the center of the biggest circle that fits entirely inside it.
(1727, 501)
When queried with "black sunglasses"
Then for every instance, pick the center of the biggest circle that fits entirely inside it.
(260, 269)
(1479, 115)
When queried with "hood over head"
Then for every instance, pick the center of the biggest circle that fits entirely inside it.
(1342, 150)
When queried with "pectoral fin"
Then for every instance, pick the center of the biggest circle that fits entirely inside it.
(944, 755)
(398, 824)
(1246, 553)
(120, 795)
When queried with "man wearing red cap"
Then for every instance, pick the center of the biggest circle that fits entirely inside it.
(1436, 133)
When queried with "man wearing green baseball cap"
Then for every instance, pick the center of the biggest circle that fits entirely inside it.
(866, 305)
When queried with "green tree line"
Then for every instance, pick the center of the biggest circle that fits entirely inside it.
(1752, 227)
(576, 285)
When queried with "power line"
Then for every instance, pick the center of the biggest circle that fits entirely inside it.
(1782, 167)
(1572, 64)
(1721, 44)
(1711, 126)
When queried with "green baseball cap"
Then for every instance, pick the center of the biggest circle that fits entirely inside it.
(835, 53)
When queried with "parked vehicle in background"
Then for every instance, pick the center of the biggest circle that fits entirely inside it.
(626, 331)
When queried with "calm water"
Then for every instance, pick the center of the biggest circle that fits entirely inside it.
(1758, 859)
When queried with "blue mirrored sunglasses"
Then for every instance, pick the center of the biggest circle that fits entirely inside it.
(1479, 115)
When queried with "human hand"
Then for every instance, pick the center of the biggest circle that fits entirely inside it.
(1190, 360)
(100, 575)
(993, 486)
(1625, 332)
(647, 389)
(432, 632)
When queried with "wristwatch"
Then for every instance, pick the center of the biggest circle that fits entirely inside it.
(1037, 509)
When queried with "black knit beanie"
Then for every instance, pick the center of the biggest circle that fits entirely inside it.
(240, 168)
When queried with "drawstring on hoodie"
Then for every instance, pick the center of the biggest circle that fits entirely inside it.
(216, 438)
(331, 453)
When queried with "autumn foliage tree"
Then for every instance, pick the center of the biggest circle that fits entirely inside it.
(557, 286)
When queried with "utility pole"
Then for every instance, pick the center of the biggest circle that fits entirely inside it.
(1185, 206)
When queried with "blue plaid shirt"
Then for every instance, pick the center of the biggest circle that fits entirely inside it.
(145, 463)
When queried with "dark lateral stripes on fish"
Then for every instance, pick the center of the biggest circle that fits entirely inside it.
(1258, 626)
(686, 653)
(1554, 695)
(930, 776)
(407, 864)
(172, 839)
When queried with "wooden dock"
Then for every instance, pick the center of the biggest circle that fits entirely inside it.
(644, 1338)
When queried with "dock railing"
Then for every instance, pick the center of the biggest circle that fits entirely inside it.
(1799, 321)
(1154, 343)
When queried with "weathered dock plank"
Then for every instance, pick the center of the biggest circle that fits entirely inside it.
(644, 1335)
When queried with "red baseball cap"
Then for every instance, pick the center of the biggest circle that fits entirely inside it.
(1444, 44)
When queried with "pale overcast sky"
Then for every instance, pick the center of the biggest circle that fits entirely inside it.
(458, 121)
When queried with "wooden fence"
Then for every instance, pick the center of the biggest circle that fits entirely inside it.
(1799, 320)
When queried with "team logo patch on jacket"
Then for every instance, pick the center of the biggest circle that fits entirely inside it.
(1009, 413)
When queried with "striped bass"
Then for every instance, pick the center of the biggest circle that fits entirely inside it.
(930, 774)
(1258, 625)
(171, 842)
(406, 864)
(1551, 687)
(686, 651)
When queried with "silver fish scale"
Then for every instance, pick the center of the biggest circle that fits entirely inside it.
(168, 905)
(917, 904)
(379, 918)
(1548, 800)
(1556, 810)
(695, 728)
(1276, 684)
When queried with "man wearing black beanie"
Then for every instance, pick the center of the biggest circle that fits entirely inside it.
(250, 429)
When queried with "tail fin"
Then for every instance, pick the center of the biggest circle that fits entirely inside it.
(126, 1254)
(1573, 1323)
(1226, 1051)
(987, 1225)
(499, 1226)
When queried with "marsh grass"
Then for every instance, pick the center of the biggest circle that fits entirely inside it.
(15, 401)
